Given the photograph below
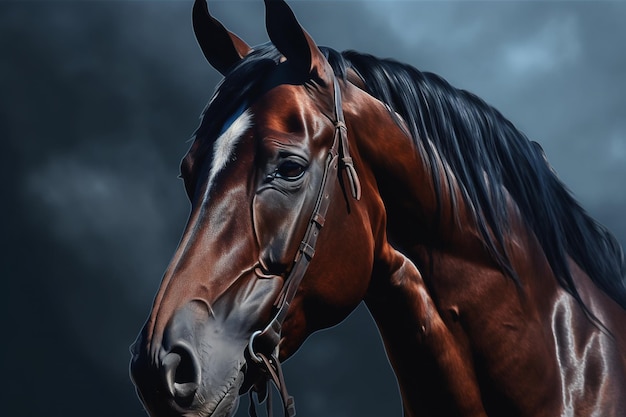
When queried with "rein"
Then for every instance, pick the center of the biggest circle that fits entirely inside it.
(267, 341)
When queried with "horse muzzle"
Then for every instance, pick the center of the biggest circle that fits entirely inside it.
(197, 369)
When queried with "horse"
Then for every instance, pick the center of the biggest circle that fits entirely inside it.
(318, 180)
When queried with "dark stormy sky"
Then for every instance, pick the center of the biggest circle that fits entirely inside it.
(98, 99)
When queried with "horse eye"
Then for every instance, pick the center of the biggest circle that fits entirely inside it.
(289, 170)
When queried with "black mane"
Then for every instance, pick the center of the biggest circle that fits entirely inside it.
(485, 153)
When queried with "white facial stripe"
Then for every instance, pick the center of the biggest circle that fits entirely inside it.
(224, 147)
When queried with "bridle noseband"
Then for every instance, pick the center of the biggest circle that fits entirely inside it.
(263, 345)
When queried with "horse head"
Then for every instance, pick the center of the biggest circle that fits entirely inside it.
(270, 165)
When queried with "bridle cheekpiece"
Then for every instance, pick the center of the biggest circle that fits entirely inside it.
(263, 345)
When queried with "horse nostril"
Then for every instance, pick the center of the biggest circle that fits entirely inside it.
(181, 375)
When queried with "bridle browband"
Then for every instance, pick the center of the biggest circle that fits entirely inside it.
(264, 344)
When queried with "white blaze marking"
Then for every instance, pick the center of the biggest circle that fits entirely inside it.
(224, 147)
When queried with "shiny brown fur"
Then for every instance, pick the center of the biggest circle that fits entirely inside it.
(463, 337)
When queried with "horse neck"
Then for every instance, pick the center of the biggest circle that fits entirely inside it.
(432, 279)
(463, 337)
(418, 211)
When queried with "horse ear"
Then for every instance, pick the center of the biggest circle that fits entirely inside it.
(221, 48)
(294, 42)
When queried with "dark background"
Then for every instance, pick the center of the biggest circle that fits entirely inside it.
(98, 100)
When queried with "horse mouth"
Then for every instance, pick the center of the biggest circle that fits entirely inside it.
(226, 402)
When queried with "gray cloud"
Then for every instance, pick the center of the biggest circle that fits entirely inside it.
(99, 99)
(545, 65)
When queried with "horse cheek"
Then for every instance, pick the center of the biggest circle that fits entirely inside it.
(275, 220)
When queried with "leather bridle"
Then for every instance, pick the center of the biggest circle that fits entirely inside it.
(264, 344)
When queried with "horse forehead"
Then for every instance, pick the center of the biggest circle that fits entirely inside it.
(288, 108)
(231, 133)
(282, 108)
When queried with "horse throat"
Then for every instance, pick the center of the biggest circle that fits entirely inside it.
(433, 369)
